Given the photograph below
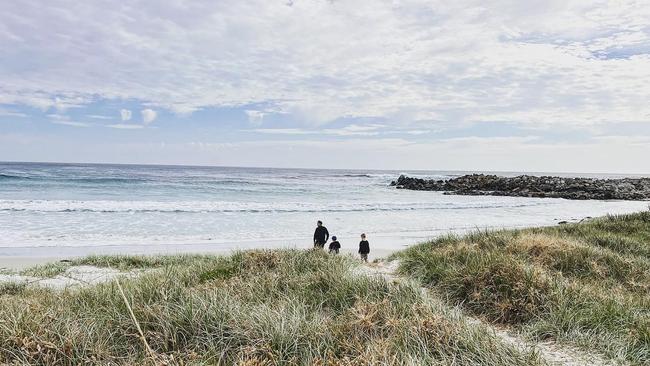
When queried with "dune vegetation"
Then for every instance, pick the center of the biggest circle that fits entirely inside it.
(586, 285)
(582, 285)
(282, 307)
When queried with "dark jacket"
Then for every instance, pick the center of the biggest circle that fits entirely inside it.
(364, 247)
(321, 235)
(335, 245)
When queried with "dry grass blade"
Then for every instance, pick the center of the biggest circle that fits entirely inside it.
(150, 351)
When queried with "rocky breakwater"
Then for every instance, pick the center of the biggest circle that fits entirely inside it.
(533, 186)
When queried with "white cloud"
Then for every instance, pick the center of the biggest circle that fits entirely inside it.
(255, 117)
(63, 103)
(98, 116)
(71, 123)
(350, 130)
(284, 131)
(148, 115)
(552, 67)
(125, 126)
(628, 140)
(415, 132)
(62, 119)
(361, 128)
(57, 117)
(471, 154)
(125, 114)
(11, 113)
(556, 62)
(614, 154)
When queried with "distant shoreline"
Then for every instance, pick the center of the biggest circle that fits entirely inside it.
(424, 171)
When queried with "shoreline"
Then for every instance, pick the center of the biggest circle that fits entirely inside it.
(382, 245)
(21, 262)
(20, 258)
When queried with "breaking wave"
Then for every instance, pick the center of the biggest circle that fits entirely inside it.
(226, 207)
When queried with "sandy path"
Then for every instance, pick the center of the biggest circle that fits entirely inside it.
(552, 353)
(72, 277)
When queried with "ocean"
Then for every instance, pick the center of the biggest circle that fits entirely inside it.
(79, 209)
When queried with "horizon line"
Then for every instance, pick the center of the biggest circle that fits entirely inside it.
(531, 172)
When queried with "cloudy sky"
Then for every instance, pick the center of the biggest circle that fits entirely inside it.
(405, 84)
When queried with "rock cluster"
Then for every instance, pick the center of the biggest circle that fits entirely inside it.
(533, 186)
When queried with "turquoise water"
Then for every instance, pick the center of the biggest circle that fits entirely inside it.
(87, 208)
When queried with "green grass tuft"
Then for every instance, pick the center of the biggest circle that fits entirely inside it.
(584, 284)
(12, 288)
(252, 308)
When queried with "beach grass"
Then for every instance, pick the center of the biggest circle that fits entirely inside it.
(283, 307)
(586, 284)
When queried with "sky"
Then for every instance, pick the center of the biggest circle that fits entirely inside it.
(554, 86)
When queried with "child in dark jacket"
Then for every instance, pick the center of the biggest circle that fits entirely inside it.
(334, 245)
(364, 248)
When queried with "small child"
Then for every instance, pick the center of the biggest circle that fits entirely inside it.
(364, 248)
(334, 245)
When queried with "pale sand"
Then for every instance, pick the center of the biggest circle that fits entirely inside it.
(16, 263)
(18, 258)
(72, 277)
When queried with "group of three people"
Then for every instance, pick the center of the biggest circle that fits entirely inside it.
(321, 235)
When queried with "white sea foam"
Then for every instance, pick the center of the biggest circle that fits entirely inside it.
(107, 206)
(54, 207)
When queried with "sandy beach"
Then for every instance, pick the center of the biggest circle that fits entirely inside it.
(382, 246)
(20, 260)
(16, 263)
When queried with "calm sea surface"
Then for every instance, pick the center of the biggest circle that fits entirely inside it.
(50, 209)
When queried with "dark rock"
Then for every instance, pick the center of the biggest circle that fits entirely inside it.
(532, 186)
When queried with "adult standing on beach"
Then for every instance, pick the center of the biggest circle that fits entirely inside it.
(320, 235)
